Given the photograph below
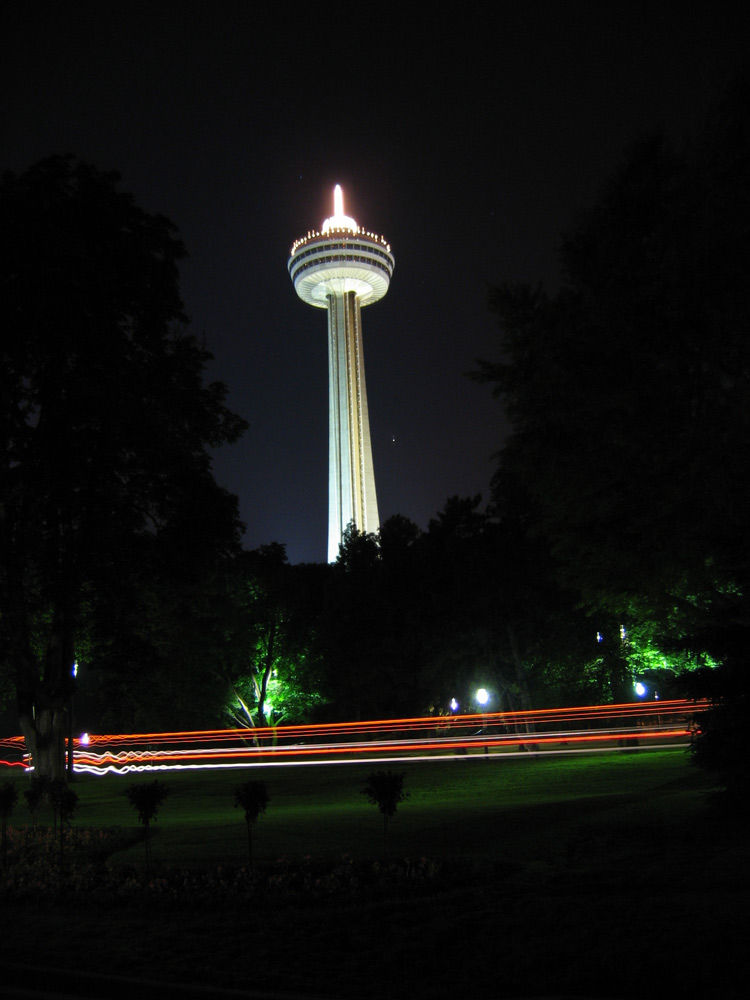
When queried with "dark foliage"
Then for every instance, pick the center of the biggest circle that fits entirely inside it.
(146, 799)
(385, 790)
(110, 515)
(253, 798)
(628, 391)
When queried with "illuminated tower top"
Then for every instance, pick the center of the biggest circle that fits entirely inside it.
(343, 257)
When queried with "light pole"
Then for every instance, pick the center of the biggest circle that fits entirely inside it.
(483, 696)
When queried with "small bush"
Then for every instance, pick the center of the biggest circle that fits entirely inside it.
(385, 789)
(253, 798)
(8, 799)
(146, 799)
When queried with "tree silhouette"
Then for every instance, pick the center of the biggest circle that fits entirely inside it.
(385, 789)
(146, 799)
(628, 396)
(253, 798)
(106, 422)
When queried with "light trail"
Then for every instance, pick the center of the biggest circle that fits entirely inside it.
(584, 729)
(408, 759)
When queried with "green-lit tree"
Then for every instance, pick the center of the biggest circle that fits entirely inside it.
(105, 424)
(269, 660)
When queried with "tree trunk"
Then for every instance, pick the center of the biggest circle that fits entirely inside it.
(44, 733)
(69, 761)
(261, 688)
(43, 702)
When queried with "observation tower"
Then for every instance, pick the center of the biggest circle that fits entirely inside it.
(343, 268)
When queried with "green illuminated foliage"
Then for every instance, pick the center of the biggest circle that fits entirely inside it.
(269, 661)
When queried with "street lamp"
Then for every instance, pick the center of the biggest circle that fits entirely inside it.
(483, 696)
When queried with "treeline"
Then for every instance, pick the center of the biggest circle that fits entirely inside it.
(406, 622)
(628, 393)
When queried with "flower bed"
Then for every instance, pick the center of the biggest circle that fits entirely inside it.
(37, 866)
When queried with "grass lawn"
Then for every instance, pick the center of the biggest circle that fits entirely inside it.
(603, 875)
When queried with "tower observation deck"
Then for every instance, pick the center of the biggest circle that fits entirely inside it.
(343, 268)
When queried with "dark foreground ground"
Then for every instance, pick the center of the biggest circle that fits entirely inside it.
(642, 892)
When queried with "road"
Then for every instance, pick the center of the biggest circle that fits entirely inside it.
(584, 729)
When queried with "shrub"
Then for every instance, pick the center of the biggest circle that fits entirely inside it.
(253, 798)
(8, 799)
(146, 799)
(385, 789)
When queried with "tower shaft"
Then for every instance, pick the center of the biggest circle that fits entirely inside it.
(351, 478)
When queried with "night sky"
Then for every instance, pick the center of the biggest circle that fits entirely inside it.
(469, 139)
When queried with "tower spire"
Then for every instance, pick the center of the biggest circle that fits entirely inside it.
(338, 220)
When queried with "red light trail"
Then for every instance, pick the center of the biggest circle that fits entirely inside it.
(585, 729)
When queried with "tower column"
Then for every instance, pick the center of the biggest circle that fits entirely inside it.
(340, 507)
(352, 497)
(363, 475)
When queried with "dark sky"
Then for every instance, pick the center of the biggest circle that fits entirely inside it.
(469, 139)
